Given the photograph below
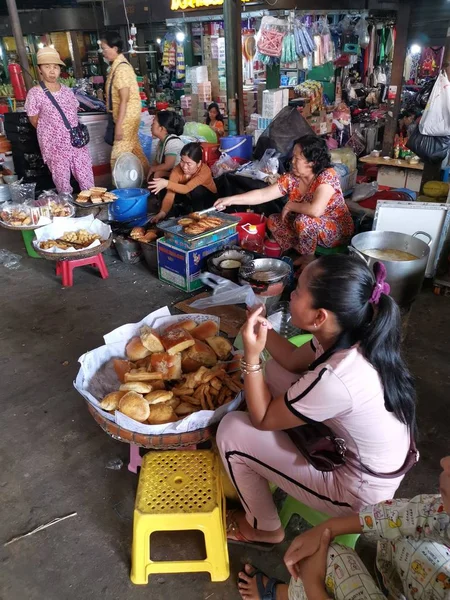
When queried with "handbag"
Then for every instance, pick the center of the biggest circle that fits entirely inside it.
(433, 148)
(111, 126)
(79, 135)
(327, 452)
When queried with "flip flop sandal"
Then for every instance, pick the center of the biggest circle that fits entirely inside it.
(268, 591)
(240, 539)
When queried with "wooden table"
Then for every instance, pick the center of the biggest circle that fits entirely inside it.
(391, 162)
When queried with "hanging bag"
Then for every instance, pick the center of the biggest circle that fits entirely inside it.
(436, 116)
(79, 135)
(111, 127)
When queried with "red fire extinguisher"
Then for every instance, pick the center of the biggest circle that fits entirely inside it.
(16, 76)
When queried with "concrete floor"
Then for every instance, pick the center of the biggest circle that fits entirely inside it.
(54, 456)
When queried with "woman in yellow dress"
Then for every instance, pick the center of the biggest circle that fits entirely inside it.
(122, 94)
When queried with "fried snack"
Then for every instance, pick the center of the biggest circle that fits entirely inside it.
(158, 384)
(188, 325)
(193, 380)
(191, 400)
(200, 354)
(205, 330)
(151, 340)
(158, 396)
(184, 222)
(134, 405)
(135, 350)
(167, 364)
(111, 401)
(137, 232)
(194, 230)
(173, 402)
(184, 409)
(83, 199)
(96, 200)
(162, 413)
(144, 375)
(182, 391)
(221, 346)
(150, 236)
(121, 367)
(136, 386)
(17, 218)
(233, 385)
(59, 210)
(85, 194)
(98, 191)
(176, 340)
(78, 239)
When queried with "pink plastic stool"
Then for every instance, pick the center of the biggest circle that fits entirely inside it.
(65, 268)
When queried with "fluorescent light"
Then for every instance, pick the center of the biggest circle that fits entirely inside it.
(158, 40)
(40, 45)
(180, 36)
(416, 49)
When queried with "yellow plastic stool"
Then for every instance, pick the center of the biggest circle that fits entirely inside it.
(180, 491)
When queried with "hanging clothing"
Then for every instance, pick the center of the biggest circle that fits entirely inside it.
(304, 233)
(431, 61)
(54, 139)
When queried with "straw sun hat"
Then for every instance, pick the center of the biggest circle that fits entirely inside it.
(49, 56)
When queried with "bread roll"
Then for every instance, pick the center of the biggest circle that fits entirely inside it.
(136, 386)
(135, 350)
(173, 402)
(161, 413)
(138, 375)
(168, 365)
(137, 232)
(134, 405)
(121, 367)
(198, 355)
(151, 340)
(150, 236)
(221, 346)
(184, 409)
(177, 340)
(112, 400)
(205, 330)
(158, 396)
(188, 325)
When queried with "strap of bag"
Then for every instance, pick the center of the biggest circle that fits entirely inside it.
(56, 105)
(110, 107)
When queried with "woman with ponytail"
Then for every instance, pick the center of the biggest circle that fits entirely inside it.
(167, 127)
(351, 378)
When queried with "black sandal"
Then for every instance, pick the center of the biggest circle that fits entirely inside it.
(268, 591)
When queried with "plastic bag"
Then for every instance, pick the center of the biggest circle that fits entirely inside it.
(225, 292)
(429, 147)
(225, 164)
(269, 163)
(22, 192)
(285, 129)
(364, 190)
(362, 31)
(436, 117)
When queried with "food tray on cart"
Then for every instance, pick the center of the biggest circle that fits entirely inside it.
(175, 235)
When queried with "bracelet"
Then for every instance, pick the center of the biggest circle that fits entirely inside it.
(248, 368)
(245, 372)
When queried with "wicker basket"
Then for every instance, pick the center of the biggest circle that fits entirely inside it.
(59, 256)
(168, 441)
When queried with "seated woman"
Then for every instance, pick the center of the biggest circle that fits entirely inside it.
(316, 213)
(167, 126)
(190, 186)
(413, 557)
(351, 378)
(215, 119)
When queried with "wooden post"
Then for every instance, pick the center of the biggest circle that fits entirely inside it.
(20, 44)
(233, 54)
(76, 55)
(401, 44)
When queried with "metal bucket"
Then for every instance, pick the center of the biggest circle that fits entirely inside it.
(404, 276)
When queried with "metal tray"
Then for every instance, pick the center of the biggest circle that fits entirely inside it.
(175, 235)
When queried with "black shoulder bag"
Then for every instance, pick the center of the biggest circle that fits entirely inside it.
(111, 127)
(79, 135)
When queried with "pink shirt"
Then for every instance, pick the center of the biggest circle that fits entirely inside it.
(345, 393)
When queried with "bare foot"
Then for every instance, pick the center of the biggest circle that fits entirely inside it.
(248, 588)
(238, 527)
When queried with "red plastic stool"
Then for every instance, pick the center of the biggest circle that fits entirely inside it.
(65, 268)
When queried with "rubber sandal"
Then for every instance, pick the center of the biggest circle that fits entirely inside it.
(268, 591)
(241, 540)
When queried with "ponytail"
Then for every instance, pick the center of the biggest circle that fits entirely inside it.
(344, 285)
(171, 121)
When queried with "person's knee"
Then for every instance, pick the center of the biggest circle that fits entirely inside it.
(230, 430)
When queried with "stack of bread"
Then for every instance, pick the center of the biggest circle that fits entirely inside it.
(141, 235)
(168, 376)
(96, 195)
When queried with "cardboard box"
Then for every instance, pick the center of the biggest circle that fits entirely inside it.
(182, 268)
(392, 177)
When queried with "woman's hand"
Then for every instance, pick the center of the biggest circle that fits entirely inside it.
(254, 335)
(118, 133)
(222, 203)
(157, 185)
(312, 570)
(286, 210)
(158, 217)
(302, 547)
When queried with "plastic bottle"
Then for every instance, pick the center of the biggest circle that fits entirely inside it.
(253, 242)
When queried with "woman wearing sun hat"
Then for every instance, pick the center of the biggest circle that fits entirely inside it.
(44, 105)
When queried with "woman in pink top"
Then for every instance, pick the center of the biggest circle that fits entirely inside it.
(351, 377)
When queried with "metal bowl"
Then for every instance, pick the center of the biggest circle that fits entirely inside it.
(264, 271)
(232, 253)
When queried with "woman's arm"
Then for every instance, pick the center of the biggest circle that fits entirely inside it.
(124, 95)
(185, 188)
(34, 120)
(251, 198)
(318, 205)
(291, 358)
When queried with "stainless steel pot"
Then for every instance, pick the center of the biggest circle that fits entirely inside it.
(404, 276)
(267, 277)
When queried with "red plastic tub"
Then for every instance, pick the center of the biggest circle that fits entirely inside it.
(211, 153)
(249, 218)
